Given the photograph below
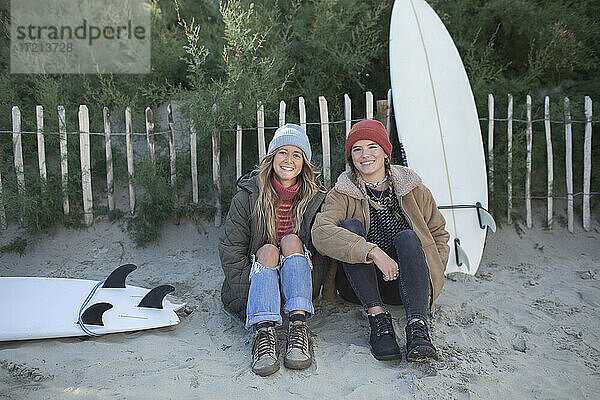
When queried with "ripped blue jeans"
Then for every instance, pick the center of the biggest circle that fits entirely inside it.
(291, 282)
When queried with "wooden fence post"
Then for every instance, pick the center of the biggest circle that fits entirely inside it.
(172, 155)
(260, 117)
(529, 139)
(550, 158)
(381, 111)
(325, 141)
(2, 212)
(39, 116)
(302, 112)
(150, 133)
(110, 184)
(238, 152)
(64, 160)
(491, 143)
(281, 113)
(18, 149)
(388, 114)
(130, 164)
(86, 175)
(348, 113)
(194, 161)
(348, 119)
(569, 163)
(369, 105)
(509, 150)
(587, 163)
(216, 150)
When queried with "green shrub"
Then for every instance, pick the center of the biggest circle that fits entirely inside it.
(17, 245)
(155, 200)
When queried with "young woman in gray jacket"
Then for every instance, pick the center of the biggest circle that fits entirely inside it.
(264, 251)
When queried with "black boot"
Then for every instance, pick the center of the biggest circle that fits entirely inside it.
(383, 339)
(418, 343)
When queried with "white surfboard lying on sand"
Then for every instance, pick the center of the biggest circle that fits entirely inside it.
(438, 125)
(38, 308)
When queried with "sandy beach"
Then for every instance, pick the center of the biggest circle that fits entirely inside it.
(527, 325)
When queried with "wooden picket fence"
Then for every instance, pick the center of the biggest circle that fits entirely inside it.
(384, 108)
(587, 159)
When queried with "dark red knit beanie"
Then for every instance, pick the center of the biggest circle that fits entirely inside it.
(369, 129)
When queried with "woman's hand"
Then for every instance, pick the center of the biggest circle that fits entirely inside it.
(385, 263)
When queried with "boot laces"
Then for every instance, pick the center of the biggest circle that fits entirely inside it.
(264, 343)
(384, 326)
(418, 330)
(298, 337)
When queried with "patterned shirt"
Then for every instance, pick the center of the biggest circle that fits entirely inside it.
(285, 218)
(384, 224)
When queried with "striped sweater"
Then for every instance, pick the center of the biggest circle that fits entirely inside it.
(284, 212)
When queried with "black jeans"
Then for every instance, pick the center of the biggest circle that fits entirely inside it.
(364, 284)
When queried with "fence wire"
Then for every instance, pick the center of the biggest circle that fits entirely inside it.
(566, 197)
(275, 127)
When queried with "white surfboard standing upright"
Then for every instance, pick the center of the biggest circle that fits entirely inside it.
(438, 126)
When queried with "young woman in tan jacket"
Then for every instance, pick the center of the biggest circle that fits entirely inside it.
(383, 226)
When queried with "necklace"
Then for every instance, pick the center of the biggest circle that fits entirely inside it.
(374, 185)
(373, 194)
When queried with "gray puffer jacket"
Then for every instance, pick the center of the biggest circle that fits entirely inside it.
(240, 239)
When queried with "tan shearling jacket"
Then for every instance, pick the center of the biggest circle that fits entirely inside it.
(346, 200)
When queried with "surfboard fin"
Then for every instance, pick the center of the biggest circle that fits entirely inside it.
(461, 255)
(485, 218)
(116, 279)
(154, 298)
(93, 314)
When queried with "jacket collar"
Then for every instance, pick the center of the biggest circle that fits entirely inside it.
(404, 179)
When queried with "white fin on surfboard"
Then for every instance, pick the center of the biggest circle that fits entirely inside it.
(485, 218)
(461, 255)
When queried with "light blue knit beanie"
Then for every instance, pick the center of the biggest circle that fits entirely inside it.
(291, 134)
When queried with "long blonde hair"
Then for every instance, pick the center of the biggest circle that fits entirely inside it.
(268, 200)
